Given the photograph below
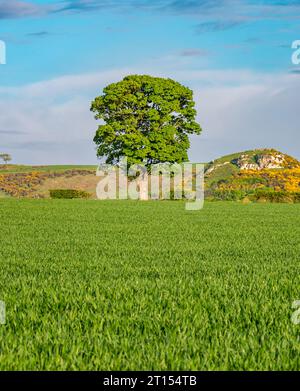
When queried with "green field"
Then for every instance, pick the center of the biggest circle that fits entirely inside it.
(16, 169)
(125, 285)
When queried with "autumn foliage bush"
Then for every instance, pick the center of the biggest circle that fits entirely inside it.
(26, 184)
(272, 185)
(273, 196)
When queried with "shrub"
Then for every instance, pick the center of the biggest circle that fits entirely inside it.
(273, 196)
(229, 195)
(69, 193)
(296, 197)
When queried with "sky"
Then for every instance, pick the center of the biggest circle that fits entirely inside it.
(236, 55)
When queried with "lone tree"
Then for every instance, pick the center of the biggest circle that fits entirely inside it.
(5, 157)
(146, 119)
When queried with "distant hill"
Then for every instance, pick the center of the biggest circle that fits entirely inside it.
(37, 181)
(231, 177)
(18, 168)
(249, 171)
(257, 159)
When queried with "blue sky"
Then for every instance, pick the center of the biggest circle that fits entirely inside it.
(234, 54)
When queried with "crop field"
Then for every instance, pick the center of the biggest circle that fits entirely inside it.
(16, 169)
(128, 285)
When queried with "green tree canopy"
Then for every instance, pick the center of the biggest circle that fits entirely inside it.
(146, 119)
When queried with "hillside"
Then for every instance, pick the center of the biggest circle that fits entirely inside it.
(18, 168)
(242, 174)
(36, 181)
(234, 176)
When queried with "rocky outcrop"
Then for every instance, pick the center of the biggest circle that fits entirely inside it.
(271, 161)
(260, 161)
(257, 159)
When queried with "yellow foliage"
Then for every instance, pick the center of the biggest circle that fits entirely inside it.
(278, 179)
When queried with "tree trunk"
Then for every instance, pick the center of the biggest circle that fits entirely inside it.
(143, 187)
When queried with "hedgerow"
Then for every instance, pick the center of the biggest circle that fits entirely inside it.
(69, 193)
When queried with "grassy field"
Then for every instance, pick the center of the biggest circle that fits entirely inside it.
(122, 285)
(16, 169)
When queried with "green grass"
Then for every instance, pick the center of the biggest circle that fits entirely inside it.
(96, 285)
(221, 172)
(14, 169)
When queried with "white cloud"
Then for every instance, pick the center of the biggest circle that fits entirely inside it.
(249, 116)
(237, 109)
